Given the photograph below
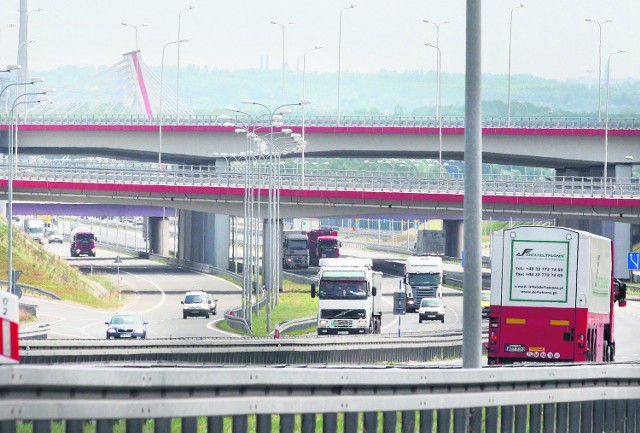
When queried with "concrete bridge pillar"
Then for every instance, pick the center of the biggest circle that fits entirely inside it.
(158, 235)
(204, 238)
(269, 238)
(455, 238)
(620, 233)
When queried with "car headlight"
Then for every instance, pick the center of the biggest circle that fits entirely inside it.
(112, 330)
(139, 331)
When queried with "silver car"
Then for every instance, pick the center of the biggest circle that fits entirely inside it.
(431, 309)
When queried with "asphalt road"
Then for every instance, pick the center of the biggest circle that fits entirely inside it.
(152, 289)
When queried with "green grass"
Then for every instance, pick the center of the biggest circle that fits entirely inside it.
(295, 302)
(48, 271)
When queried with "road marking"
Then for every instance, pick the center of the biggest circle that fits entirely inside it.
(211, 326)
(163, 295)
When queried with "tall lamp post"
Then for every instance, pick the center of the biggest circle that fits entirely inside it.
(283, 27)
(606, 124)
(437, 26)
(178, 65)
(600, 24)
(160, 115)
(12, 143)
(304, 73)
(509, 74)
(340, 54)
(438, 102)
(135, 27)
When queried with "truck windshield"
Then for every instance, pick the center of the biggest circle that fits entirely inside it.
(343, 290)
(424, 279)
(296, 244)
(328, 243)
(84, 237)
(35, 229)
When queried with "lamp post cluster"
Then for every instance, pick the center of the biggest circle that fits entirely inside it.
(266, 141)
(12, 151)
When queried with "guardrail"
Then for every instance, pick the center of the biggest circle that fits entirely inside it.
(295, 119)
(550, 399)
(527, 185)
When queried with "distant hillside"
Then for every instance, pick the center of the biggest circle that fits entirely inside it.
(386, 92)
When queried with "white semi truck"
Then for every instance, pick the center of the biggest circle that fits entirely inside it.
(423, 278)
(349, 297)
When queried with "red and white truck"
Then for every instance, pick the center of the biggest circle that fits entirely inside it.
(552, 296)
(323, 244)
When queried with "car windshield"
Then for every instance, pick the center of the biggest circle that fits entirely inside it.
(126, 320)
(424, 279)
(431, 303)
(195, 299)
(343, 290)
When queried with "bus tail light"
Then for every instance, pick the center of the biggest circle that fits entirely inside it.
(581, 341)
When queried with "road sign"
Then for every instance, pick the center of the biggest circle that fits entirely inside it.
(399, 303)
(9, 353)
(633, 261)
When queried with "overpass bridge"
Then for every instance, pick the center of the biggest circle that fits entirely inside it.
(575, 146)
(201, 190)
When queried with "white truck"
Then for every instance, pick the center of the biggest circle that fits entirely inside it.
(430, 243)
(35, 228)
(423, 278)
(349, 297)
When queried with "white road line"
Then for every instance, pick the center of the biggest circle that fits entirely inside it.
(163, 295)
(211, 326)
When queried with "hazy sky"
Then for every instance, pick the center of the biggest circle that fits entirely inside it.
(550, 37)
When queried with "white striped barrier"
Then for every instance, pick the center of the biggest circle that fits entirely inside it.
(9, 352)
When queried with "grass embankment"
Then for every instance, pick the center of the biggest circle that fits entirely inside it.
(48, 271)
(295, 302)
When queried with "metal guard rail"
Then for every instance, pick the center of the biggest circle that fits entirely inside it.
(553, 399)
(559, 186)
(295, 119)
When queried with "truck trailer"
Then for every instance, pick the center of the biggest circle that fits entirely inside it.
(295, 250)
(552, 296)
(349, 297)
(323, 243)
(423, 278)
(430, 243)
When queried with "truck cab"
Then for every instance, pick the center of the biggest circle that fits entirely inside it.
(295, 250)
(349, 297)
(83, 242)
(423, 278)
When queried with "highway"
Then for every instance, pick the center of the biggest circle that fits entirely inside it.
(156, 290)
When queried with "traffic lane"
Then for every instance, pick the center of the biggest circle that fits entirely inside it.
(409, 322)
(625, 326)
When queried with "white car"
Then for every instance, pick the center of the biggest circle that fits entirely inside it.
(431, 309)
(55, 237)
(196, 303)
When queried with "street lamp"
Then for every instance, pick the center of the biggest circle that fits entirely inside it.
(600, 24)
(509, 74)
(606, 123)
(437, 26)
(304, 73)
(135, 27)
(438, 102)
(160, 109)
(10, 179)
(178, 65)
(282, 26)
(340, 54)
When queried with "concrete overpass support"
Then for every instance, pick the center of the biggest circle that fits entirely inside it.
(158, 234)
(620, 233)
(455, 237)
(204, 238)
(268, 239)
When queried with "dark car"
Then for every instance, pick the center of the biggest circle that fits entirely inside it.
(213, 304)
(126, 325)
